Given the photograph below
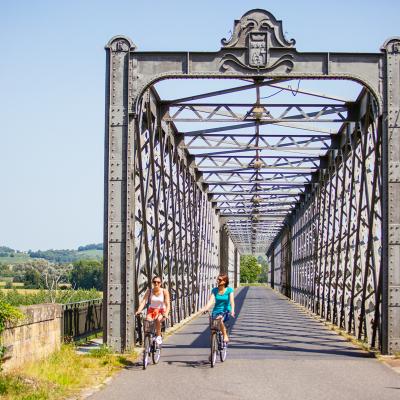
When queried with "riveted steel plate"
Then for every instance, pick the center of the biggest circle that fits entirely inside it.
(116, 232)
(394, 172)
(115, 293)
(118, 116)
(394, 234)
(394, 264)
(394, 296)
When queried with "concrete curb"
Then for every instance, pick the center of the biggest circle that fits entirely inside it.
(390, 362)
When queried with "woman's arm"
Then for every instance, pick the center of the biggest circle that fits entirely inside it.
(232, 301)
(143, 302)
(210, 302)
(167, 302)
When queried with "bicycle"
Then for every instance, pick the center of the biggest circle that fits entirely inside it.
(150, 345)
(217, 343)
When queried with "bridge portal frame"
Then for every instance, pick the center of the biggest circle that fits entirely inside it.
(258, 51)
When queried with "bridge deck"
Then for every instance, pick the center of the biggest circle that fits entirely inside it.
(276, 352)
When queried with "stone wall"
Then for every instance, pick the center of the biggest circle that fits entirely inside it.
(35, 337)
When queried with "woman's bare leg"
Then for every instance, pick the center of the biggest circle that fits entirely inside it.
(158, 326)
(224, 332)
(157, 322)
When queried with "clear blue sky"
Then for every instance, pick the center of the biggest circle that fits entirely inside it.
(52, 71)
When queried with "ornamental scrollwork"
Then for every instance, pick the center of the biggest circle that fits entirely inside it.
(257, 33)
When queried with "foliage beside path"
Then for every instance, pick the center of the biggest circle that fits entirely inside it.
(62, 375)
(21, 297)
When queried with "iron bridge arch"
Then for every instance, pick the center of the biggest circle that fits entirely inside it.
(331, 233)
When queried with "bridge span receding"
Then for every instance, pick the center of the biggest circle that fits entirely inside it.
(313, 180)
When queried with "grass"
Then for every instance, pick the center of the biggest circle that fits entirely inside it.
(14, 284)
(18, 258)
(21, 290)
(254, 284)
(90, 254)
(62, 375)
(20, 297)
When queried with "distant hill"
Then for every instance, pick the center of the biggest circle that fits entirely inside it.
(90, 251)
(98, 246)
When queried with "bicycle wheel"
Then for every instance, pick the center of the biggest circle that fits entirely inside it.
(156, 352)
(146, 351)
(214, 349)
(223, 347)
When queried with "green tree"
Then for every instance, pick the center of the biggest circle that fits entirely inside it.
(91, 246)
(250, 269)
(32, 278)
(263, 277)
(87, 274)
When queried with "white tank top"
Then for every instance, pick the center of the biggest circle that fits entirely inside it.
(157, 301)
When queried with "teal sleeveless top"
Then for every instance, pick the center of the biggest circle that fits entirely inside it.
(222, 303)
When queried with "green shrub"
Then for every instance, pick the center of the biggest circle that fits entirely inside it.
(102, 351)
(8, 315)
(26, 298)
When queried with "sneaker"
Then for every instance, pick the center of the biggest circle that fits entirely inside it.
(159, 340)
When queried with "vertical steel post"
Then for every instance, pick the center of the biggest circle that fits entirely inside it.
(237, 268)
(391, 199)
(272, 268)
(223, 250)
(118, 296)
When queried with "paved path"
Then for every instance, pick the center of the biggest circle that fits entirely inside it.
(276, 352)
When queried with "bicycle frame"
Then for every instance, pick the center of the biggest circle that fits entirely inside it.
(217, 344)
(150, 345)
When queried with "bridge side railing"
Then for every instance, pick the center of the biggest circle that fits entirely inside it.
(81, 319)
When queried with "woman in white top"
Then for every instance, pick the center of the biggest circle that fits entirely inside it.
(158, 305)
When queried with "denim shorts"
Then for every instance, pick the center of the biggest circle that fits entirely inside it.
(225, 315)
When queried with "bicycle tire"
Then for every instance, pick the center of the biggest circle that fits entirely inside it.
(146, 351)
(214, 349)
(223, 348)
(156, 353)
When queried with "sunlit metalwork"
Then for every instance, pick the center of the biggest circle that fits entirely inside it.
(193, 182)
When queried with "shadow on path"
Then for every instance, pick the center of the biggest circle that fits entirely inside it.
(276, 352)
(267, 327)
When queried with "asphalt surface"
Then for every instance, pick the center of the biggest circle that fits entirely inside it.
(276, 352)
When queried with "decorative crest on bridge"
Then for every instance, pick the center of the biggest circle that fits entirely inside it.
(257, 32)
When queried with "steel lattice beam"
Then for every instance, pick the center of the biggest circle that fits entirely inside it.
(316, 182)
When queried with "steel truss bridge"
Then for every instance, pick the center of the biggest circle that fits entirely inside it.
(313, 180)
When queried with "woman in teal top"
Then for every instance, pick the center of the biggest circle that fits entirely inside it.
(224, 302)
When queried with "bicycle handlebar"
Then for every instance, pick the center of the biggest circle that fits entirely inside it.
(143, 313)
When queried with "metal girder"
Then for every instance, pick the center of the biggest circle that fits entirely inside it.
(268, 113)
(316, 182)
(391, 198)
(335, 234)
